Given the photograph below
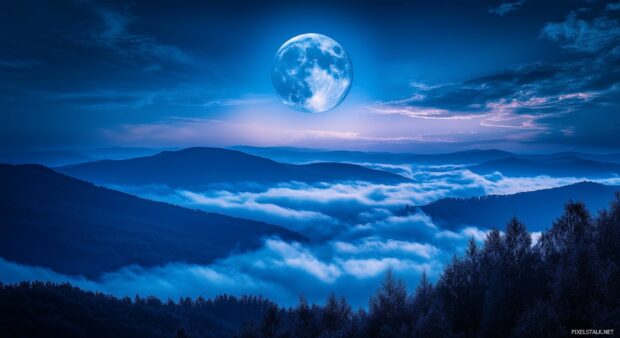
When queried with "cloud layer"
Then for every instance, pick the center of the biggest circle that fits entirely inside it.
(357, 229)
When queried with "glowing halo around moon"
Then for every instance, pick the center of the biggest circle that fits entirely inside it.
(312, 73)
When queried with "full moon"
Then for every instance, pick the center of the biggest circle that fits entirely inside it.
(312, 73)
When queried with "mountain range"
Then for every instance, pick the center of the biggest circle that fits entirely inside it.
(465, 157)
(568, 164)
(55, 158)
(197, 167)
(74, 227)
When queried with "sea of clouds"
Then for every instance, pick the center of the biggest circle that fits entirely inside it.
(356, 229)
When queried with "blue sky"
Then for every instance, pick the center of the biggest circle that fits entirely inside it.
(530, 76)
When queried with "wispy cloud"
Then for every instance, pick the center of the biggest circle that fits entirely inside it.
(115, 33)
(402, 107)
(371, 245)
(613, 6)
(582, 35)
(180, 96)
(103, 99)
(19, 64)
(245, 100)
(527, 102)
(506, 7)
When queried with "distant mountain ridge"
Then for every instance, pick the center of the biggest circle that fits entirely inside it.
(301, 155)
(52, 220)
(460, 157)
(465, 157)
(195, 167)
(567, 166)
(536, 209)
(57, 158)
(52, 158)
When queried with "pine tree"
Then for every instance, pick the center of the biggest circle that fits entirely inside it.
(569, 256)
(607, 244)
(472, 248)
(270, 326)
(388, 307)
(336, 314)
(305, 321)
(422, 298)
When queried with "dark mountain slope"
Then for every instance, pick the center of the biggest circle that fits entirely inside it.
(338, 171)
(194, 167)
(74, 227)
(537, 209)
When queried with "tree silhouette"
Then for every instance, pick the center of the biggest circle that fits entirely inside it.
(388, 308)
(336, 316)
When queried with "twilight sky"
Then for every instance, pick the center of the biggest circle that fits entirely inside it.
(518, 75)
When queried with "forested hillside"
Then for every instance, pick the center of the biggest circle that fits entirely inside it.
(59, 310)
(537, 208)
(74, 227)
(506, 287)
